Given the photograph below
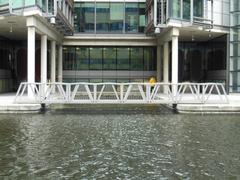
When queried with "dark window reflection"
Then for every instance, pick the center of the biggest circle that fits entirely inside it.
(109, 58)
(123, 58)
(95, 61)
(136, 57)
(82, 58)
(69, 58)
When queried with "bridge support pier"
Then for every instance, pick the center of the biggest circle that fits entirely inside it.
(43, 62)
(31, 60)
(174, 64)
(165, 65)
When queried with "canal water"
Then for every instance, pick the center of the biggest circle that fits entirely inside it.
(122, 143)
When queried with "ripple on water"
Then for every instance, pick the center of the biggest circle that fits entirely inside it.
(119, 146)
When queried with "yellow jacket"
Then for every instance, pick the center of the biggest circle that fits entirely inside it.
(152, 81)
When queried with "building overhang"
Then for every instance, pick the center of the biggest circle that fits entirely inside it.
(109, 40)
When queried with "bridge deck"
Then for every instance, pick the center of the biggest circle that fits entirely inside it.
(122, 93)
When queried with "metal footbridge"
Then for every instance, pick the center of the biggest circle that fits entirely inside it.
(122, 93)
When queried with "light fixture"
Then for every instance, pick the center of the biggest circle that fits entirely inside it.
(193, 38)
(11, 23)
(210, 35)
(11, 29)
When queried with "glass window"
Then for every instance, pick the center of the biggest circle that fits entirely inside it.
(175, 8)
(109, 58)
(69, 58)
(131, 17)
(116, 17)
(198, 8)
(136, 56)
(3, 2)
(102, 17)
(77, 17)
(142, 8)
(186, 9)
(109, 17)
(84, 17)
(149, 59)
(82, 58)
(123, 58)
(95, 61)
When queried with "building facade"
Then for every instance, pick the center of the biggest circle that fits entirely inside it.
(119, 41)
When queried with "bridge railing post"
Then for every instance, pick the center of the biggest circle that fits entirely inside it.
(121, 93)
(148, 93)
(68, 92)
(94, 93)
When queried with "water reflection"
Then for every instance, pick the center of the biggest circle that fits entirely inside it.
(133, 145)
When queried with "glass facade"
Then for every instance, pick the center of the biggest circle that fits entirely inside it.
(109, 17)
(108, 64)
(84, 18)
(234, 85)
(196, 59)
(181, 9)
(109, 58)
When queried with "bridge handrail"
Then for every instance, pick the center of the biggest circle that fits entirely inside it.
(111, 92)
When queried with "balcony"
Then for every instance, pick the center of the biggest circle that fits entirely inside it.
(58, 12)
(165, 13)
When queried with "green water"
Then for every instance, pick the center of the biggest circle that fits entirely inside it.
(120, 143)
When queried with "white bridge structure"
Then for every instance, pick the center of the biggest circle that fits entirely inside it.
(122, 93)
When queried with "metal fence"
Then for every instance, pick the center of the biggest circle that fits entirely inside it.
(122, 93)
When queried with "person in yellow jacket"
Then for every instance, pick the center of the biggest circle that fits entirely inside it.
(152, 82)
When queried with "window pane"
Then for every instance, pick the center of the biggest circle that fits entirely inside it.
(131, 14)
(109, 58)
(186, 9)
(84, 17)
(116, 17)
(82, 58)
(198, 8)
(102, 17)
(68, 58)
(136, 59)
(142, 8)
(95, 58)
(175, 8)
(77, 17)
(123, 58)
(149, 59)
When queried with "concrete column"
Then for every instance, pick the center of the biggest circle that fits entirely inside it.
(175, 62)
(60, 69)
(165, 64)
(31, 60)
(44, 60)
(53, 61)
(159, 65)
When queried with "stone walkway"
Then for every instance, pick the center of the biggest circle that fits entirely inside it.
(7, 105)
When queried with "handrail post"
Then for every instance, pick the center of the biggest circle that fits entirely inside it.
(148, 93)
(68, 91)
(94, 93)
(121, 92)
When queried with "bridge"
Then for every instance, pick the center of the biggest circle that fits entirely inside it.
(122, 93)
